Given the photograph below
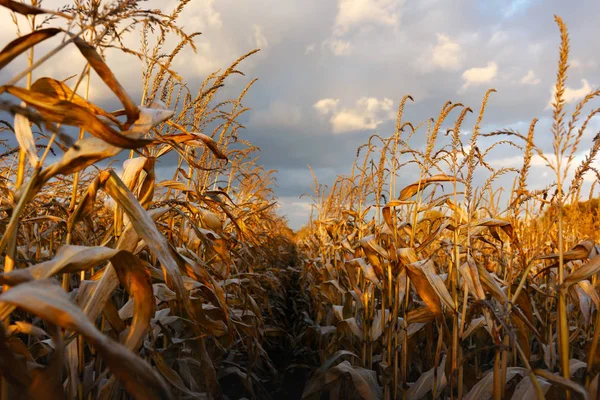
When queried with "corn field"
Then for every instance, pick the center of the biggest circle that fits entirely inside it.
(117, 284)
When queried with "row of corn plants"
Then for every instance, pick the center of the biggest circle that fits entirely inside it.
(451, 287)
(120, 284)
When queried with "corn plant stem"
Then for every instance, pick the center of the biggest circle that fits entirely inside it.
(593, 349)
(453, 273)
(80, 341)
(563, 327)
(405, 337)
(396, 333)
(504, 363)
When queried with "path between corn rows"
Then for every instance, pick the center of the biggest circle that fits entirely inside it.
(293, 360)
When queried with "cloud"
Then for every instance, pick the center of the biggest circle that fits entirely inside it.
(326, 106)
(517, 161)
(295, 210)
(338, 47)
(530, 78)
(358, 13)
(571, 95)
(203, 15)
(260, 40)
(360, 16)
(478, 75)
(378, 60)
(278, 114)
(367, 114)
(446, 54)
(578, 64)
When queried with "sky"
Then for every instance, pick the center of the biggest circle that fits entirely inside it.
(332, 72)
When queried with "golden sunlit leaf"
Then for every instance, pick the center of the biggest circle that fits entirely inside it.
(411, 190)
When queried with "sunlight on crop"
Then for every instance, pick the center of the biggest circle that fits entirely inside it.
(127, 284)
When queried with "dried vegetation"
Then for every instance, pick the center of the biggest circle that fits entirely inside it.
(447, 289)
(119, 285)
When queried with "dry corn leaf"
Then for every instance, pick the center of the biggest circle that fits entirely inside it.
(366, 268)
(475, 324)
(133, 276)
(69, 113)
(28, 329)
(47, 382)
(59, 90)
(68, 258)
(484, 389)
(579, 252)
(109, 280)
(562, 383)
(378, 323)
(420, 315)
(373, 251)
(490, 284)
(590, 291)
(197, 139)
(82, 154)
(48, 301)
(525, 390)
(420, 280)
(363, 380)
(172, 376)
(591, 268)
(435, 281)
(412, 189)
(146, 229)
(460, 214)
(425, 383)
(25, 138)
(470, 274)
(23, 43)
(350, 324)
(98, 64)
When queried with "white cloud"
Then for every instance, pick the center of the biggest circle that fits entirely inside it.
(517, 161)
(367, 114)
(571, 95)
(578, 64)
(446, 54)
(478, 75)
(530, 78)
(576, 94)
(201, 15)
(277, 114)
(309, 49)
(575, 64)
(260, 40)
(326, 106)
(358, 13)
(360, 16)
